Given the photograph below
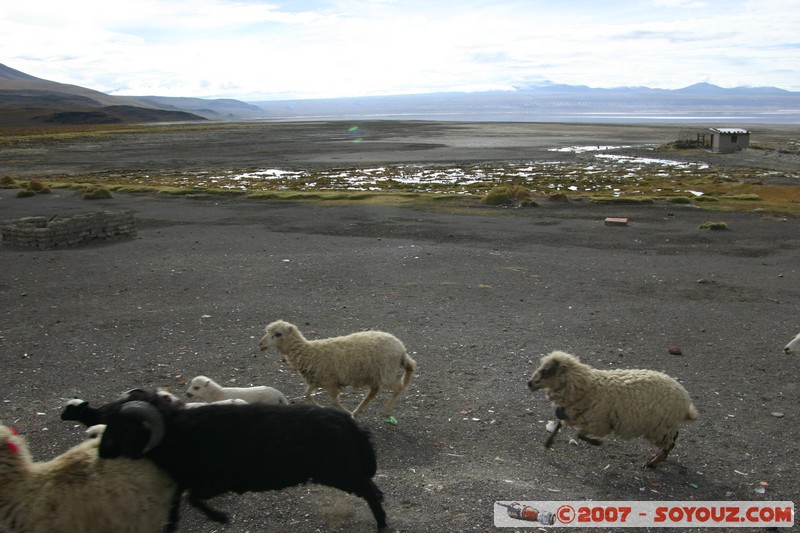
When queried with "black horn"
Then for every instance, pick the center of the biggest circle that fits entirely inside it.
(151, 416)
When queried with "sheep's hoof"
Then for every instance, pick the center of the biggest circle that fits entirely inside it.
(389, 419)
(657, 458)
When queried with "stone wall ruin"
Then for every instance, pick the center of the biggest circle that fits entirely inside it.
(46, 233)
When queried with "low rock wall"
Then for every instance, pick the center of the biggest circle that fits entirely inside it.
(55, 232)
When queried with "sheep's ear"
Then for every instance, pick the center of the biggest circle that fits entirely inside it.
(207, 383)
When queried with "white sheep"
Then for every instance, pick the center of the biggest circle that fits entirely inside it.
(367, 359)
(209, 390)
(631, 403)
(78, 491)
(793, 348)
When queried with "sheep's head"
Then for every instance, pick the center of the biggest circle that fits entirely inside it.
(793, 348)
(274, 335)
(551, 369)
(75, 409)
(198, 386)
(81, 411)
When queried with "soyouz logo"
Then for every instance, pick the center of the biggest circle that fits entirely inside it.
(617, 514)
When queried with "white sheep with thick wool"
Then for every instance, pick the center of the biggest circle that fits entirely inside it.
(78, 491)
(628, 402)
(209, 390)
(367, 359)
(793, 348)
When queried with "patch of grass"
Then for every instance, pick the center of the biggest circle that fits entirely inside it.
(38, 187)
(442, 198)
(264, 195)
(226, 192)
(7, 182)
(498, 196)
(679, 200)
(179, 191)
(509, 195)
(743, 197)
(714, 226)
(25, 193)
(97, 192)
(132, 189)
(558, 197)
(447, 186)
(621, 200)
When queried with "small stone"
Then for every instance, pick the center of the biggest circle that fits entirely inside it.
(675, 350)
(778, 415)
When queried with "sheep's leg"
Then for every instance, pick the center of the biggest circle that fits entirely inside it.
(396, 391)
(551, 436)
(663, 452)
(373, 391)
(211, 514)
(374, 498)
(174, 513)
(334, 394)
(310, 390)
(591, 440)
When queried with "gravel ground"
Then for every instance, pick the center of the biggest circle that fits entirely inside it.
(476, 297)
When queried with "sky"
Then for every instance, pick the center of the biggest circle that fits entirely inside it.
(253, 50)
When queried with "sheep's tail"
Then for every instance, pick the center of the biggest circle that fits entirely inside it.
(693, 414)
(410, 365)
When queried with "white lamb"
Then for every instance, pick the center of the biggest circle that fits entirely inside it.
(77, 491)
(191, 405)
(793, 348)
(631, 403)
(211, 391)
(368, 359)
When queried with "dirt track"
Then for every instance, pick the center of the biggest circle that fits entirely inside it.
(477, 298)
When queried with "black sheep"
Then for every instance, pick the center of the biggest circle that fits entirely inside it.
(80, 410)
(220, 448)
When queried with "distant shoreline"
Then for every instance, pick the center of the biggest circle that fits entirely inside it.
(611, 118)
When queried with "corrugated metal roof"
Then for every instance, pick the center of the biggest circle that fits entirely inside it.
(730, 131)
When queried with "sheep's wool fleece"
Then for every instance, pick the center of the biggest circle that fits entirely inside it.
(631, 403)
(362, 359)
(79, 492)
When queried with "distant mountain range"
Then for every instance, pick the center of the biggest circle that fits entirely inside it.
(702, 102)
(29, 101)
(26, 100)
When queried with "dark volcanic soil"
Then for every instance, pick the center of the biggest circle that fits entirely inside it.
(477, 298)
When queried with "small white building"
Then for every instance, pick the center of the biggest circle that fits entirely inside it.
(728, 140)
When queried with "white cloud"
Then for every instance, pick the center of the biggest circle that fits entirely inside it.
(354, 47)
